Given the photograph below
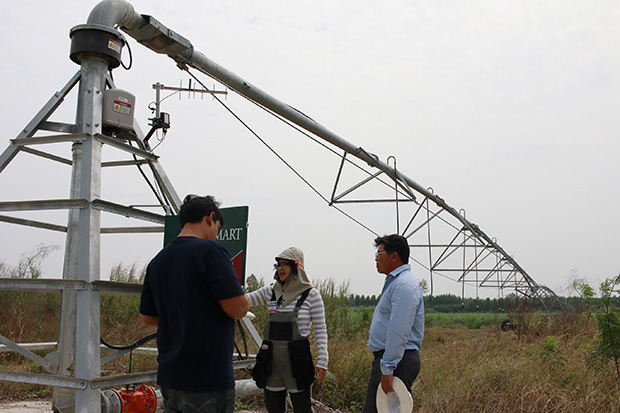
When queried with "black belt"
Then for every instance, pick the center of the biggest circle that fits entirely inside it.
(379, 354)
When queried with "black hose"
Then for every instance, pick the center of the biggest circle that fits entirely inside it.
(132, 345)
(245, 343)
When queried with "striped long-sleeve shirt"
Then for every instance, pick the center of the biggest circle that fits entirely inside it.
(312, 312)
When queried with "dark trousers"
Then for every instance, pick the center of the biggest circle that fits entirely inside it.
(275, 401)
(407, 370)
(217, 401)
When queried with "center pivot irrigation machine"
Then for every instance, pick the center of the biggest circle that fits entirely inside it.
(455, 247)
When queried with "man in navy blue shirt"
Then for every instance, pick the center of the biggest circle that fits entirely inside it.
(192, 294)
(397, 328)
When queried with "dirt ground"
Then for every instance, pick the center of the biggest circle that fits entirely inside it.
(26, 406)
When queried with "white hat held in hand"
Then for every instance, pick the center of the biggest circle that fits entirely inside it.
(399, 401)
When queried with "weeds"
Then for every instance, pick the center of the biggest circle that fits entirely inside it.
(550, 352)
(468, 363)
(607, 344)
(29, 265)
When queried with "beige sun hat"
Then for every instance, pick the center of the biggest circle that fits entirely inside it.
(399, 401)
(297, 283)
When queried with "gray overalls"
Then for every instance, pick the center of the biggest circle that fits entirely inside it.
(286, 353)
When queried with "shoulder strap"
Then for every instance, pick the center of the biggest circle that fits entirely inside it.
(303, 297)
(301, 300)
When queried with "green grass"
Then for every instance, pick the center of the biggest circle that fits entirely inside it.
(473, 321)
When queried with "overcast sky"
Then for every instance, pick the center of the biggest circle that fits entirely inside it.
(508, 110)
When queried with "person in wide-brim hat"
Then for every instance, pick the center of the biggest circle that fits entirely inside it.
(284, 363)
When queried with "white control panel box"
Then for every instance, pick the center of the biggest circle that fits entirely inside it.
(118, 109)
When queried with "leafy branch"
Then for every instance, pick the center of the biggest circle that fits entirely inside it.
(607, 316)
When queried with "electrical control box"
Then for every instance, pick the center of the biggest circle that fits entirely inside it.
(118, 109)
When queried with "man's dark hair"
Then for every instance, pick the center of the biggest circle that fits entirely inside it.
(196, 207)
(395, 243)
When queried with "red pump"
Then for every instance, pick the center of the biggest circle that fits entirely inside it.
(137, 398)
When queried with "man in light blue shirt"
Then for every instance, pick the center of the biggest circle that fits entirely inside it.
(397, 327)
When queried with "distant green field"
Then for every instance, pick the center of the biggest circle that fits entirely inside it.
(472, 321)
(359, 318)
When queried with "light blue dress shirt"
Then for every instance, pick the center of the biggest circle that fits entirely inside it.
(398, 320)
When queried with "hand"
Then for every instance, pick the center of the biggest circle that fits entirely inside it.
(386, 383)
(320, 373)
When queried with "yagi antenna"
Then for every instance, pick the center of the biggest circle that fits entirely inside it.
(162, 119)
(159, 87)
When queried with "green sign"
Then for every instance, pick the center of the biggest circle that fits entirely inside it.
(234, 235)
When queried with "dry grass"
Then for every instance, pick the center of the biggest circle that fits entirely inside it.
(27, 317)
(544, 366)
(493, 371)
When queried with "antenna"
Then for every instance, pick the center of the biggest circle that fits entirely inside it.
(159, 87)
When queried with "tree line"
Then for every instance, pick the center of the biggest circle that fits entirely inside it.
(450, 303)
(444, 303)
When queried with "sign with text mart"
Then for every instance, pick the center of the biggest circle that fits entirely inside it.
(234, 235)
